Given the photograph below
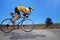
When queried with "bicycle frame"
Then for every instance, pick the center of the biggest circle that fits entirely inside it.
(21, 20)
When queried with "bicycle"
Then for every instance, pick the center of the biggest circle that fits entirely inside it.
(26, 24)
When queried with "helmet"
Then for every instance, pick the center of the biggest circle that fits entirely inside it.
(31, 7)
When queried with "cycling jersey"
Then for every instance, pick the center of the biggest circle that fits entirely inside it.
(21, 8)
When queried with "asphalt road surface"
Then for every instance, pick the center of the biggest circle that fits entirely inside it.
(46, 34)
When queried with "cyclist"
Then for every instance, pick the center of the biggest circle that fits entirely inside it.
(22, 9)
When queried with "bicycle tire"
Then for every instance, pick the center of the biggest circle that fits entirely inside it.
(5, 26)
(29, 24)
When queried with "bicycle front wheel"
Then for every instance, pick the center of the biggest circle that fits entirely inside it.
(7, 26)
(27, 25)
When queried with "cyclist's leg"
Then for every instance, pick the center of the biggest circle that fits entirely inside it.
(17, 14)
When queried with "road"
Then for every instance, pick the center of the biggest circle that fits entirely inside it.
(43, 34)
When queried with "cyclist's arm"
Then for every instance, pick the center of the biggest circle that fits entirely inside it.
(24, 11)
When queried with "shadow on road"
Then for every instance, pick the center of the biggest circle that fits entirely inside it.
(14, 35)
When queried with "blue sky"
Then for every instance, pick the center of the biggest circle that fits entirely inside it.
(42, 9)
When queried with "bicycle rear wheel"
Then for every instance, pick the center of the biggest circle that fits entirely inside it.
(27, 25)
(7, 26)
